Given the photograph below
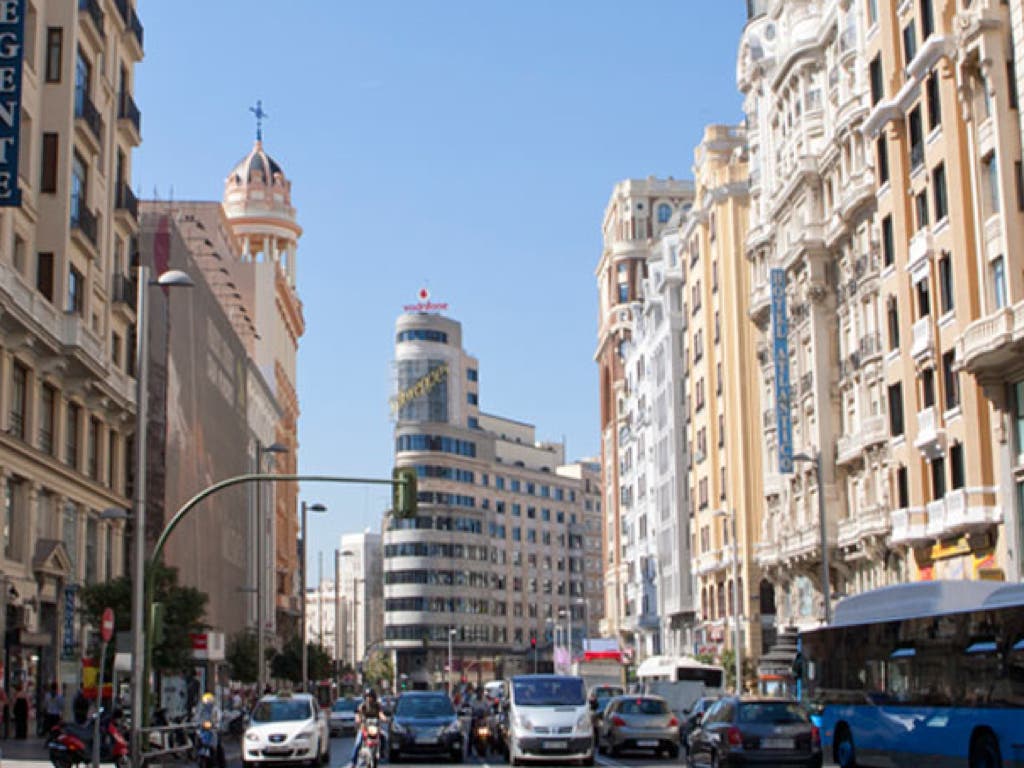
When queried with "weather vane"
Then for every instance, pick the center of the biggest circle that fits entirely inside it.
(260, 114)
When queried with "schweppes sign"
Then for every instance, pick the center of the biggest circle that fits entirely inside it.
(421, 387)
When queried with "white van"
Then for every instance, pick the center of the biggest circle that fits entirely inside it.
(549, 719)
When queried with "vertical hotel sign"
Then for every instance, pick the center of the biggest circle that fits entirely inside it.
(12, 40)
(780, 354)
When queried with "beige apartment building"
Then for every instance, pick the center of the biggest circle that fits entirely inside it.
(67, 314)
(725, 476)
(884, 150)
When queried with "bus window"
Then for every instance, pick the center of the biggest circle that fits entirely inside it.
(979, 671)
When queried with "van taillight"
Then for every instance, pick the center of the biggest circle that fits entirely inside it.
(815, 737)
(734, 736)
(618, 721)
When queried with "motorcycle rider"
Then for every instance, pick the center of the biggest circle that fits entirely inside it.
(207, 710)
(479, 712)
(369, 709)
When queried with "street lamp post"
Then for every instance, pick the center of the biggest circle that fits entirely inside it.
(451, 637)
(826, 589)
(316, 507)
(261, 677)
(175, 278)
(738, 638)
(586, 622)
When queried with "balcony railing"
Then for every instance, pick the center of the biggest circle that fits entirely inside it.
(86, 110)
(123, 290)
(931, 435)
(128, 110)
(870, 345)
(92, 7)
(126, 200)
(85, 220)
(924, 338)
(806, 383)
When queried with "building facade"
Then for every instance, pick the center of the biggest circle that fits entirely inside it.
(362, 592)
(636, 214)
(495, 559)
(67, 301)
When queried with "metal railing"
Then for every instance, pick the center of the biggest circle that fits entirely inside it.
(92, 7)
(86, 110)
(128, 110)
(126, 200)
(86, 221)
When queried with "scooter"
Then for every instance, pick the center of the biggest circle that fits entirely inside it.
(70, 744)
(481, 736)
(369, 750)
(206, 745)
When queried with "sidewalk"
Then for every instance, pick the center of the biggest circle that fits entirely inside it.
(33, 748)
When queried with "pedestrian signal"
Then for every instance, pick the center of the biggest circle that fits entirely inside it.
(403, 492)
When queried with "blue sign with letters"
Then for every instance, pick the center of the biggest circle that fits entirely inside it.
(12, 44)
(780, 354)
(68, 647)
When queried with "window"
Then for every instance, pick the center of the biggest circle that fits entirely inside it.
(471, 374)
(924, 299)
(950, 380)
(111, 457)
(83, 83)
(872, 7)
(956, 466)
(928, 387)
(1018, 174)
(11, 515)
(623, 293)
(998, 268)
(909, 43)
(946, 282)
(18, 254)
(48, 174)
(893, 317)
(938, 467)
(79, 187)
(664, 213)
(47, 415)
(902, 488)
(991, 171)
(877, 88)
(896, 409)
(939, 200)
(472, 398)
(718, 326)
(76, 285)
(91, 546)
(882, 159)
(888, 242)
(921, 210)
(931, 93)
(19, 400)
(927, 19)
(714, 276)
(915, 130)
(71, 441)
(54, 46)
(93, 445)
(44, 275)
(70, 536)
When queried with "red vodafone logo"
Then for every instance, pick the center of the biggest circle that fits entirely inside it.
(424, 294)
(424, 304)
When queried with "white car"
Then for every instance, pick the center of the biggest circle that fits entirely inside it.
(343, 715)
(287, 729)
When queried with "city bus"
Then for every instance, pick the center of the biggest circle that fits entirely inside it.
(928, 673)
(680, 680)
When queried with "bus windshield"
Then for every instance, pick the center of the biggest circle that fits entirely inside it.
(711, 677)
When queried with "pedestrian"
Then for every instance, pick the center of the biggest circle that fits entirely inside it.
(20, 712)
(53, 708)
(3, 712)
(80, 706)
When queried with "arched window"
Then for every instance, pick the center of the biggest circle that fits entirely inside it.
(664, 213)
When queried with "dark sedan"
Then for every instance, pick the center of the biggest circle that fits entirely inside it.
(424, 723)
(754, 730)
(692, 718)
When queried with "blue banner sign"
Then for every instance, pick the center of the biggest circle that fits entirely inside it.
(68, 646)
(12, 43)
(780, 354)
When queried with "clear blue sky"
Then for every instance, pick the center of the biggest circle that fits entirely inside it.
(466, 145)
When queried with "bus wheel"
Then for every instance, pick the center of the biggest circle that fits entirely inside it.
(985, 751)
(845, 755)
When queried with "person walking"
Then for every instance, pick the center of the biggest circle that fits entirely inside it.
(20, 712)
(53, 708)
(3, 712)
(80, 706)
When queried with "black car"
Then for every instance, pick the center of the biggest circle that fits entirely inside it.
(424, 723)
(755, 730)
(692, 718)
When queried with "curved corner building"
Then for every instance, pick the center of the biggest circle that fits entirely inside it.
(498, 554)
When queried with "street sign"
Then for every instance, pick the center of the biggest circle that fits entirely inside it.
(780, 354)
(107, 625)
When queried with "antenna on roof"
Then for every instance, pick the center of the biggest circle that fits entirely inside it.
(260, 114)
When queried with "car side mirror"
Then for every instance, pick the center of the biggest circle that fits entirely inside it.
(593, 705)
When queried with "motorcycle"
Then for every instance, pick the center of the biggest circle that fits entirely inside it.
(71, 744)
(480, 740)
(206, 745)
(369, 750)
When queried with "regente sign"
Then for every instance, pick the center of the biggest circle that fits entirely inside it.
(12, 38)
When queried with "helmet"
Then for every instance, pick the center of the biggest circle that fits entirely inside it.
(369, 693)
(207, 698)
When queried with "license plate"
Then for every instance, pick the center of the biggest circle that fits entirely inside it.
(426, 738)
(647, 743)
(277, 750)
(776, 743)
(554, 745)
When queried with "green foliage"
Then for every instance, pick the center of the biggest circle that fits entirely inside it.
(287, 663)
(378, 668)
(240, 654)
(184, 609)
(729, 662)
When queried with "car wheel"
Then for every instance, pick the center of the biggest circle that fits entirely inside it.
(394, 757)
(672, 751)
(985, 752)
(844, 751)
(456, 757)
(614, 749)
(587, 760)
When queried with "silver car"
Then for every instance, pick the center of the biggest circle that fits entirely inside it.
(639, 722)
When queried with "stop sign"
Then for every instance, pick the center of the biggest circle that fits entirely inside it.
(107, 625)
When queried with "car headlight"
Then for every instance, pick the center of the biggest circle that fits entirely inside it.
(524, 722)
(583, 724)
(453, 727)
(305, 735)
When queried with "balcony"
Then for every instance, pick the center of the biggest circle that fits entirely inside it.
(22, 300)
(801, 544)
(909, 526)
(922, 246)
(93, 12)
(766, 553)
(125, 201)
(129, 118)
(874, 430)
(923, 344)
(88, 116)
(76, 337)
(807, 384)
(768, 419)
(773, 484)
(994, 342)
(961, 511)
(86, 223)
(707, 562)
(133, 25)
(123, 290)
(931, 435)
(848, 448)
(870, 347)
(866, 524)
(760, 302)
(857, 192)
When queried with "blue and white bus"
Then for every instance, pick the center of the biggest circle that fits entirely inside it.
(929, 673)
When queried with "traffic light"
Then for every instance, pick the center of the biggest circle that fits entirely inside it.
(533, 642)
(403, 491)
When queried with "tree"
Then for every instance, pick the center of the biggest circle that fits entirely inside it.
(378, 669)
(729, 662)
(183, 607)
(287, 663)
(241, 653)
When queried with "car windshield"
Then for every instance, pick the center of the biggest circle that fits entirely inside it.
(643, 707)
(774, 712)
(547, 692)
(424, 706)
(281, 711)
(345, 705)
(606, 691)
